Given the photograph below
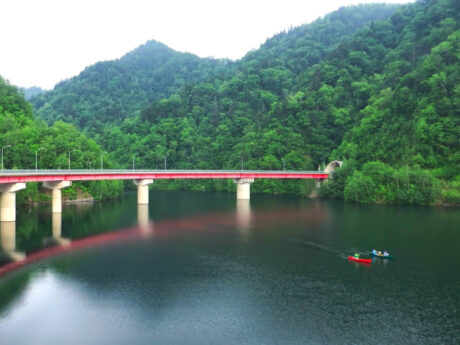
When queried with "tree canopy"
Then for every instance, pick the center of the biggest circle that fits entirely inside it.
(27, 142)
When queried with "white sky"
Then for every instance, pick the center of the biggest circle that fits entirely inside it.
(45, 41)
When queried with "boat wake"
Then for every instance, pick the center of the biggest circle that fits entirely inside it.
(340, 252)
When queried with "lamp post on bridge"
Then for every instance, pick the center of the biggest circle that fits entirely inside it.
(165, 160)
(134, 155)
(36, 157)
(242, 163)
(284, 164)
(3, 147)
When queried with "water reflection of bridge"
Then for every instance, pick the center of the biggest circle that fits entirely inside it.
(244, 220)
(8, 238)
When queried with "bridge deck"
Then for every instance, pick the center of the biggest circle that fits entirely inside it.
(15, 176)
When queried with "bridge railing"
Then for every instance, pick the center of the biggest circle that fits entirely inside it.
(16, 172)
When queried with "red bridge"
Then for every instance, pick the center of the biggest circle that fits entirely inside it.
(16, 176)
(13, 180)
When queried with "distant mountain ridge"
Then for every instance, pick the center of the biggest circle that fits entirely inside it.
(310, 43)
(33, 91)
(110, 91)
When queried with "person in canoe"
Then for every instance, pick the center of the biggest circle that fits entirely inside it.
(357, 257)
(385, 254)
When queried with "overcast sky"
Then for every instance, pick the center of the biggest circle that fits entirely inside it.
(45, 41)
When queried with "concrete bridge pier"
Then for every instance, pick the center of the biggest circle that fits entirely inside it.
(8, 200)
(243, 188)
(143, 190)
(56, 187)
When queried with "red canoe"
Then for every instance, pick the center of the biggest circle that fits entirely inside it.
(366, 261)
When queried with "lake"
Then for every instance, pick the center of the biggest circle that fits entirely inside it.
(203, 268)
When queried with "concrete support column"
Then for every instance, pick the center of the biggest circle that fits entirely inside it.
(143, 190)
(56, 187)
(8, 200)
(56, 224)
(8, 204)
(243, 188)
(57, 201)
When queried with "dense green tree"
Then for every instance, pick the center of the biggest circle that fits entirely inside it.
(30, 139)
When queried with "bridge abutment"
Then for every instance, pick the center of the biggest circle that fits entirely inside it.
(56, 187)
(8, 200)
(143, 190)
(243, 188)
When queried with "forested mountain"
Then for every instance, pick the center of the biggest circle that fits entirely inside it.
(110, 91)
(406, 73)
(26, 139)
(375, 86)
(302, 47)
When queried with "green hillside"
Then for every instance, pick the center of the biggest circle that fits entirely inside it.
(30, 92)
(26, 139)
(373, 85)
(110, 91)
(300, 48)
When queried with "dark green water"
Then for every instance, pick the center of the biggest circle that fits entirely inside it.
(209, 270)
